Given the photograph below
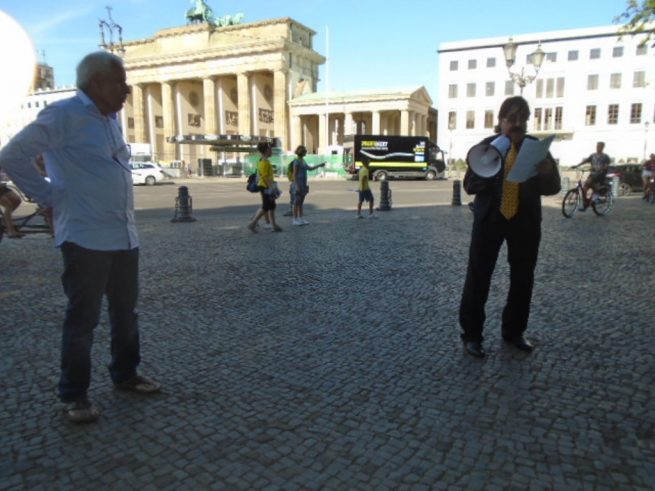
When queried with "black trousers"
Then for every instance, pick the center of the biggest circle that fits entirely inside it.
(522, 237)
(88, 276)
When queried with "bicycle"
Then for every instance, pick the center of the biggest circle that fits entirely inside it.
(34, 223)
(575, 199)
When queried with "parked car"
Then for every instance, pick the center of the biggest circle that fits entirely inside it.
(629, 177)
(148, 173)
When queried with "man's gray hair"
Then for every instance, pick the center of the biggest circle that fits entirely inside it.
(93, 64)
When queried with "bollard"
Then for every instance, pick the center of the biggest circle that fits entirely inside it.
(457, 193)
(385, 196)
(183, 206)
(614, 184)
(566, 185)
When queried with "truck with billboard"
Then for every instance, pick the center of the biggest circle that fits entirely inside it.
(393, 156)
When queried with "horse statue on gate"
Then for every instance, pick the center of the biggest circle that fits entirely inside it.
(199, 13)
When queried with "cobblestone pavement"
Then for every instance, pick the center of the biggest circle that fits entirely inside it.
(328, 357)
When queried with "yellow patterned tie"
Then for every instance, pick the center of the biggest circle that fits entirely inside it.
(510, 203)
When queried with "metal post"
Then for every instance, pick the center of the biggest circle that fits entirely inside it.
(566, 185)
(385, 196)
(615, 186)
(457, 193)
(183, 206)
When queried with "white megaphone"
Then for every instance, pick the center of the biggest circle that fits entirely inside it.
(486, 159)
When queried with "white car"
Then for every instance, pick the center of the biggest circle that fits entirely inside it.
(148, 173)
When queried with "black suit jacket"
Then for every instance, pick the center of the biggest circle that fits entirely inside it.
(488, 191)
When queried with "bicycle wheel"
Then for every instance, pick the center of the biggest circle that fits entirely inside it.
(570, 202)
(605, 202)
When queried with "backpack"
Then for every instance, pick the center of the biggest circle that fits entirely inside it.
(290, 170)
(252, 183)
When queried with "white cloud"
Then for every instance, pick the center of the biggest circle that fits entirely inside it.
(61, 18)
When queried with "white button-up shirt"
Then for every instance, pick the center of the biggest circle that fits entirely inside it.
(87, 162)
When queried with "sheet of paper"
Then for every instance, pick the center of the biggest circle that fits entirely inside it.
(531, 154)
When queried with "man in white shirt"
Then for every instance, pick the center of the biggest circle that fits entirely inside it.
(90, 193)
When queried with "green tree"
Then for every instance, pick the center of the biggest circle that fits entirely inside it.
(638, 18)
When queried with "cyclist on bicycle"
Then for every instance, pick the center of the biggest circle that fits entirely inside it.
(600, 162)
(647, 173)
(9, 201)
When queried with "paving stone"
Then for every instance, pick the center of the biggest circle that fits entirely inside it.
(329, 358)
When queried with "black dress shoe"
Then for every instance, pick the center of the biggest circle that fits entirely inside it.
(474, 348)
(520, 343)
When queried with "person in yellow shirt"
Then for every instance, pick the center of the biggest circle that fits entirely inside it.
(364, 189)
(267, 188)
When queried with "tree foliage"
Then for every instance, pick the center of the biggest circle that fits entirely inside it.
(638, 18)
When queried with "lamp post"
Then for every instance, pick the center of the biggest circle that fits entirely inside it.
(646, 128)
(110, 27)
(451, 127)
(536, 60)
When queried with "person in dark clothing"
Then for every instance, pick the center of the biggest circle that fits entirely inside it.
(505, 212)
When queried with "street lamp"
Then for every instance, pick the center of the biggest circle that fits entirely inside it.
(109, 26)
(646, 127)
(536, 59)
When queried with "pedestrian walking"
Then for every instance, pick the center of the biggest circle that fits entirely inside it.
(364, 190)
(267, 188)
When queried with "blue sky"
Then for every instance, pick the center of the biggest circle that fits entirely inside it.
(371, 44)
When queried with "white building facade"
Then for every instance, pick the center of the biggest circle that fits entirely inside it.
(29, 108)
(594, 85)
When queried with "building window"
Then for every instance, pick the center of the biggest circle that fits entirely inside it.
(509, 87)
(29, 105)
(36, 104)
(473, 64)
(490, 89)
(454, 66)
(617, 52)
(613, 114)
(470, 120)
(560, 86)
(130, 123)
(642, 49)
(558, 117)
(552, 57)
(573, 55)
(470, 90)
(540, 88)
(615, 81)
(452, 91)
(635, 113)
(452, 120)
(159, 122)
(594, 53)
(488, 119)
(550, 85)
(548, 118)
(639, 79)
(491, 62)
(537, 119)
(590, 116)
(592, 82)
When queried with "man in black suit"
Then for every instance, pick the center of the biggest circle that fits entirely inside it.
(511, 212)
